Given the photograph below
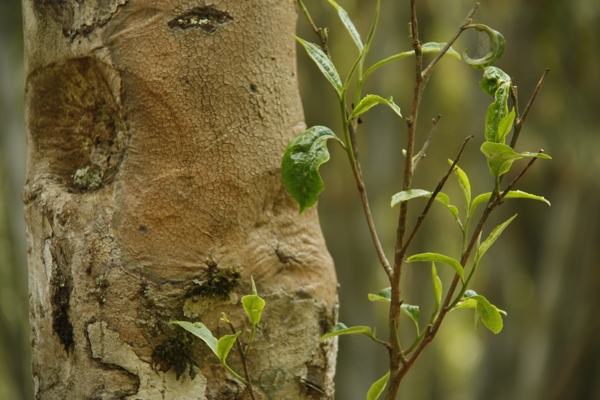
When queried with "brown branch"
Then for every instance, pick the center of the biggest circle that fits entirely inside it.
(436, 121)
(357, 170)
(321, 32)
(460, 30)
(437, 190)
(519, 124)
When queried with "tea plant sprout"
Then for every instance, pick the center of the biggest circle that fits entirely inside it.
(308, 151)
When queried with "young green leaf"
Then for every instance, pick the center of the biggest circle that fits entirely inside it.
(487, 243)
(493, 78)
(378, 387)
(253, 305)
(436, 257)
(199, 330)
(373, 27)
(505, 126)
(410, 194)
(224, 345)
(413, 313)
(496, 113)
(484, 311)
(426, 48)
(324, 64)
(384, 295)
(300, 165)
(348, 24)
(496, 51)
(341, 329)
(437, 288)
(513, 194)
(500, 157)
(370, 101)
(463, 181)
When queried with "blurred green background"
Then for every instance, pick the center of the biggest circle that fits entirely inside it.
(543, 271)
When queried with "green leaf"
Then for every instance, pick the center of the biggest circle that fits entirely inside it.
(496, 112)
(410, 194)
(484, 311)
(370, 101)
(487, 243)
(437, 288)
(300, 165)
(445, 200)
(413, 313)
(348, 24)
(253, 305)
(224, 345)
(493, 78)
(199, 330)
(500, 157)
(384, 295)
(463, 181)
(378, 387)
(341, 329)
(513, 194)
(441, 197)
(373, 27)
(426, 48)
(436, 257)
(324, 64)
(434, 47)
(505, 125)
(497, 47)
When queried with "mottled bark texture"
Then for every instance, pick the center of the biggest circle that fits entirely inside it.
(155, 131)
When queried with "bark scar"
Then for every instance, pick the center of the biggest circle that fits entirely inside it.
(209, 19)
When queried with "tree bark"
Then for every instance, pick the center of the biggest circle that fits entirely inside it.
(155, 132)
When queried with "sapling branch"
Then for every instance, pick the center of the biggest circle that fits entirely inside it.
(453, 39)
(421, 153)
(320, 32)
(521, 121)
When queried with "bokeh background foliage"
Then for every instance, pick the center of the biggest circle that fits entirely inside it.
(544, 271)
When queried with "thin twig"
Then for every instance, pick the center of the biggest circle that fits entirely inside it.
(436, 121)
(460, 30)
(356, 168)
(518, 178)
(522, 120)
(321, 33)
(437, 190)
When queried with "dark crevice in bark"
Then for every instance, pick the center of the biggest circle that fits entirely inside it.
(209, 19)
(62, 285)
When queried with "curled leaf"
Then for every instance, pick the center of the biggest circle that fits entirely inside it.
(496, 51)
(300, 165)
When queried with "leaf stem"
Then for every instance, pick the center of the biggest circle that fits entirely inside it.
(246, 381)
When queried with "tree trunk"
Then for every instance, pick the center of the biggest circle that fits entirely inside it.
(155, 131)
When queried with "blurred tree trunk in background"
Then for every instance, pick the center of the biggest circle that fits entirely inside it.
(153, 193)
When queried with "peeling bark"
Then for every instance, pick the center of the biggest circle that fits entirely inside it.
(155, 133)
